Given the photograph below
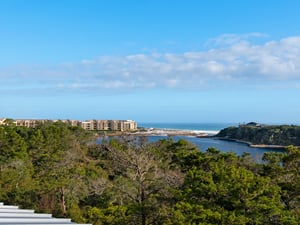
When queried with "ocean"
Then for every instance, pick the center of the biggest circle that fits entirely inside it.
(204, 143)
(188, 126)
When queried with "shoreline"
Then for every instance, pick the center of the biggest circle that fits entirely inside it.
(162, 132)
(174, 132)
(190, 133)
(251, 145)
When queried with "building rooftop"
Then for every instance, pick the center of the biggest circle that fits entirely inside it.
(12, 215)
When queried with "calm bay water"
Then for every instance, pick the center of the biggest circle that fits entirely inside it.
(224, 146)
(204, 143)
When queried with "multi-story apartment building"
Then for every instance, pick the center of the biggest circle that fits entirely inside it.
(113, 125)
(130, 125)
(28, 122)
(124, 125)
(86, 125)
(90, 125)
(102, 125)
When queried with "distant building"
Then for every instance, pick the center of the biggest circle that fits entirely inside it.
(129, 125)
(253, 124)
(102, 125)
(97, 125)
(74, 122)
(28, 122)
(2, 121)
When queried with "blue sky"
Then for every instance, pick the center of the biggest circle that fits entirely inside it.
(151, 61)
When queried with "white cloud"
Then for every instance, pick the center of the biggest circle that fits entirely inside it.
(233, 59)
(233, 39)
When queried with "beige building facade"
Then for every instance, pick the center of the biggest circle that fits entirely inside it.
(97, 125)
(113, 125)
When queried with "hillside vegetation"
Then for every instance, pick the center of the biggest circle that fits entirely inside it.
(60, 169)
(268, 135)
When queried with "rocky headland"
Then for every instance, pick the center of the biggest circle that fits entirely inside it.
(262, 136)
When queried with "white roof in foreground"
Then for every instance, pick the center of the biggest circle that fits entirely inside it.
(12, 215)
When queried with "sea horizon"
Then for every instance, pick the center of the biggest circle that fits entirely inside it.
(197, 126)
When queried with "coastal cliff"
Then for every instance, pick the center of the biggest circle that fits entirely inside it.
(263, 135)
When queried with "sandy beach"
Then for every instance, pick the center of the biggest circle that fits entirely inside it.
(174, 132)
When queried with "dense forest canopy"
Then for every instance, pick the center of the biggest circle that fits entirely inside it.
(60, 169)
(283, 135)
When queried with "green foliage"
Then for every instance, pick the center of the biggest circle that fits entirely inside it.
(108, 216)
(62, 170)
(12, 145)
(269, 135)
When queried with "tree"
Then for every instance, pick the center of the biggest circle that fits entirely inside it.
(220, 191)
(15, 167)
(290, 179)
(12, 145)
(59, 161)
(141, 179)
